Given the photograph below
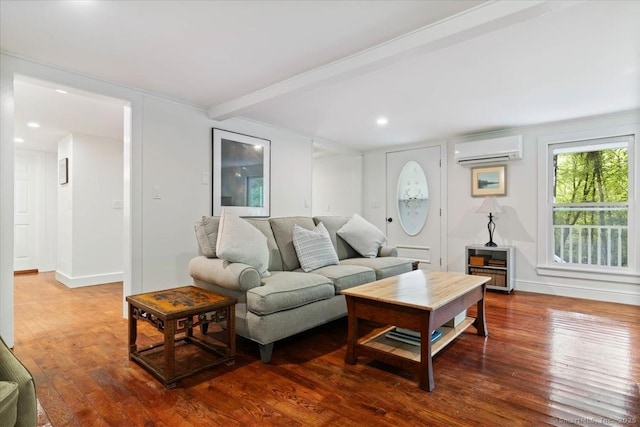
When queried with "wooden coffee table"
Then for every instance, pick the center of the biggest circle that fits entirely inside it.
(178, 311)
(422, 301)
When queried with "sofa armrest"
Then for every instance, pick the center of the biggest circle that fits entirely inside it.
(230, 275)
(387, 251)
(12, 369)
(8, 403)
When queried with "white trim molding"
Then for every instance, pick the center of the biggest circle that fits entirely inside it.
(621, 293)
(95, 279)
(604, 275)
(546, 267)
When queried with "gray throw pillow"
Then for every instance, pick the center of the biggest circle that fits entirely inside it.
(363, 236)
(314, 247)
(207, 235)
(239, 241)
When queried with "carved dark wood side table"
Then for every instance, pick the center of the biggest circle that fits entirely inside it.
(176, 312)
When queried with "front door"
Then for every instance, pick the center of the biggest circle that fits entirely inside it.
(414, 205)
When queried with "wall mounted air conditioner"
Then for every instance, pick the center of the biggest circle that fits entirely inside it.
(496, 150)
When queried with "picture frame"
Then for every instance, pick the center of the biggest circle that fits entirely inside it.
(63, 171)
(241, 174)
(489, 181)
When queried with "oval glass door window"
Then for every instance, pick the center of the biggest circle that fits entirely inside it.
(413, 198)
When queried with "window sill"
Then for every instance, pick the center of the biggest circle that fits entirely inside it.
(601, 275)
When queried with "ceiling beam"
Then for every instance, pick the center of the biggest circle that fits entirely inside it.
(325, 148)
(479, 20)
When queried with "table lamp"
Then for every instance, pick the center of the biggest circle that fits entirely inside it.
(490, 206)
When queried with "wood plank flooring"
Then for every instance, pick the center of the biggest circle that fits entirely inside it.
(547, 361)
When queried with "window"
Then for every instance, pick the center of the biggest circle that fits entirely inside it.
(588, 220)
(590, 205)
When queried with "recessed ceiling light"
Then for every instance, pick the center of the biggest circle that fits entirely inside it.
(33, 125)
(382, 121)
(18, 140)
(61, 91)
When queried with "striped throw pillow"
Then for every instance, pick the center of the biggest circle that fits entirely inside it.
(314, 247)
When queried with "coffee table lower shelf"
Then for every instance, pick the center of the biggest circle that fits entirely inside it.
(378, 341)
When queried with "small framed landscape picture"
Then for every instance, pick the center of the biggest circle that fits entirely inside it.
(489, 181)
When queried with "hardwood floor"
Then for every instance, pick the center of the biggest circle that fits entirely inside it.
(547, 361)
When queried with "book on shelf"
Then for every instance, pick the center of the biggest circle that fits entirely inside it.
(409, 336)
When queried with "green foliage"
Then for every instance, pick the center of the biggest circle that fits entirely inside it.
(592, 176)
(591, 191)
(256, 187)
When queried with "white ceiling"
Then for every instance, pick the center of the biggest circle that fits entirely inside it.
(328, 69)
(60, 114)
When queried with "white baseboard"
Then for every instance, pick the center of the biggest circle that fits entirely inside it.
(47, 267)
(622, 293)
(80, 281)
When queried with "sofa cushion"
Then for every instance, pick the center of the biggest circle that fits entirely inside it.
(239, 241)
(363, 236)
(285, 290)
(347, 276)
(207, 235)
(384, 267)
(333, 224)
(8, 403)
(283, 232)
(263, 224)
(313, 247)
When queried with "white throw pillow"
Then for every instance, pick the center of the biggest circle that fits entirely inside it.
(207, 235)
(363, 236)
(239, 241)
(314, 247)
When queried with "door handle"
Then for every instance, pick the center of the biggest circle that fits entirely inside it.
(389, 219)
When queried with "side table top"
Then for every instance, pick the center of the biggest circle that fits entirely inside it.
(179, 301)
(421, 289)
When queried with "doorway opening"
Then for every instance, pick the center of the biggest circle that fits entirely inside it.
(74, 226)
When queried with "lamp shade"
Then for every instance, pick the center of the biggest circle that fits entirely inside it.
(490, 205)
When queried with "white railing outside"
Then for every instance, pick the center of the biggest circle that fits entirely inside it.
(601, 245)
(591, 234)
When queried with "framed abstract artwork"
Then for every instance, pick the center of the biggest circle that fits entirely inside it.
(241, 174)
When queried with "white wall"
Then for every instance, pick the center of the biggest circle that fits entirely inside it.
(374, 202)
(6, 199)
(176, 152)
(337, 185)
(517, 225)
(90, 250)
(169, 146)
(48, 239)
(64, 253)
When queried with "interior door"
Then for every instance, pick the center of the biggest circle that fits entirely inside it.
(25, 205)
(414, 204)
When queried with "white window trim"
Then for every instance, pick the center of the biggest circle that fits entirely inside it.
(546, 266)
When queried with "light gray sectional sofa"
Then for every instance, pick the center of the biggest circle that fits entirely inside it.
(287, 300)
